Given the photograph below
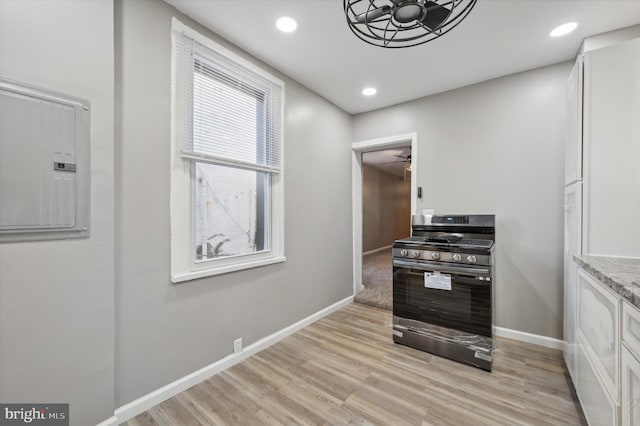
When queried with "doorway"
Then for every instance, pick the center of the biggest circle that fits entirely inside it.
(384, 197)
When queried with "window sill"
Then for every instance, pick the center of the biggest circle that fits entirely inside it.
(192, 275)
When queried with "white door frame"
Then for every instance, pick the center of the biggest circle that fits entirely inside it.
(356, 178)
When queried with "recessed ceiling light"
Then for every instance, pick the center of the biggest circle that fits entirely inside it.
(369, 91)
(563, 29)
(286, 24)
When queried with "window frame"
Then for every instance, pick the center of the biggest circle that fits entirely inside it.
(184, 265)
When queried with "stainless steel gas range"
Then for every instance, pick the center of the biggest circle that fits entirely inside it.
(443, 287)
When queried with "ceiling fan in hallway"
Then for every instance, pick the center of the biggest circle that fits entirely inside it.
(405, 159)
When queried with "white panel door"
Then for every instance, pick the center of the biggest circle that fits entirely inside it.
(572, 246)
(573, 144)
(612, 150)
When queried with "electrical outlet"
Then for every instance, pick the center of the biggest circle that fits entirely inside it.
(237, 346)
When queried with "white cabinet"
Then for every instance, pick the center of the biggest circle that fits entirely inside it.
(607, 354)
(572, 246)
(611, 150)
(598, 407)
(630, 395)
(597, 353)
(630, 389)
(631, 328)
(572, 210)
(602, 190)
(598, 328)
(573, 144)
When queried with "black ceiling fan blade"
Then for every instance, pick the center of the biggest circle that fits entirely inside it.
(373, 14)
(435, 16)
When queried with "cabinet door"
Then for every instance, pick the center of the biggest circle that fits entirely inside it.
(612, 149)
(572, 246)
(573, 144)
(596, 402)
(598, 328)
(630, 389)
(631, 327)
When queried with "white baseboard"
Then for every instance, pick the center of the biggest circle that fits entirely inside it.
(376, 250)
(536, 339)
(111, 421)
(142, 404)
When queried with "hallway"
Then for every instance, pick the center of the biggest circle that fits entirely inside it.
(377, 277)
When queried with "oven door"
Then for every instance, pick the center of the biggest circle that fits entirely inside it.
(465, 307)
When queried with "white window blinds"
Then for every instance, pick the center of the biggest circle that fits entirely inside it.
(232, 114)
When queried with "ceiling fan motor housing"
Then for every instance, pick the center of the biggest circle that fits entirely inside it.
(407, 11)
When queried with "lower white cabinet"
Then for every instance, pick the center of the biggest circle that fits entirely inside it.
(598, 406)
(599, 328)
(630, 397)
(631, 328)
(597, 357)
(607, 354)
(630, 394)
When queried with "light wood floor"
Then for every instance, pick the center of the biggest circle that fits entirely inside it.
(345, 369)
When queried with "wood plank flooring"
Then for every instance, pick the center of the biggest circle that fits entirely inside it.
(345, 369)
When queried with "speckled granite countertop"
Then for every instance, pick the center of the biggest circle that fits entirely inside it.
(622, 275)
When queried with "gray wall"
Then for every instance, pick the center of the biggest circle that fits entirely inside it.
(165, 331)
(497, 147)
(56, 297)
(386, 208)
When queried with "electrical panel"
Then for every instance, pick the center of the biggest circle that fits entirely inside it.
(44, 164)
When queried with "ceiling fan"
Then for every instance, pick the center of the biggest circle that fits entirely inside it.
(404, 23)
(405, 159)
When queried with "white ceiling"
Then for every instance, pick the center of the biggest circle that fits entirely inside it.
(498, 38)
(389, 160)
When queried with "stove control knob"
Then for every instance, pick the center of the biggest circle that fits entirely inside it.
(415, 253)
(472, 259)
(404, 253)
(435, 255)
(457, 257)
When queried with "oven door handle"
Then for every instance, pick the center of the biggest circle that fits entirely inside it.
(440, 268)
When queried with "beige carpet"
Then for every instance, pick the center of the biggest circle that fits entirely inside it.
(377, 276)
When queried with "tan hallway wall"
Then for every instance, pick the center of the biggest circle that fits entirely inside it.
(386, 208)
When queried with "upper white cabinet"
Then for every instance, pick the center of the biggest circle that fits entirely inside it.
(611, 150)
(573, 145)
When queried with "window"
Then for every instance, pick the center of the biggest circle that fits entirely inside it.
(226, 167)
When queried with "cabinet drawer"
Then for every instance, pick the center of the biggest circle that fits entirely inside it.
(631, 327)
(598, 326)
(630, 397)
(596, 402)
